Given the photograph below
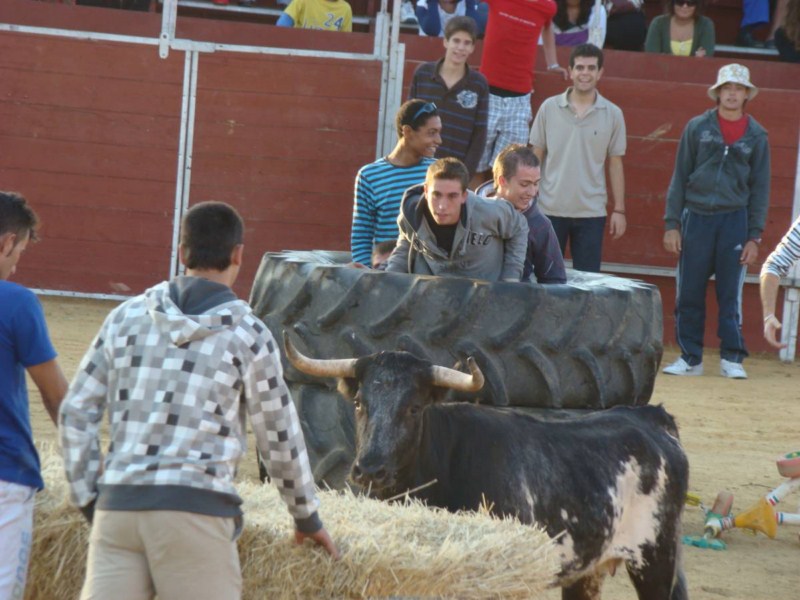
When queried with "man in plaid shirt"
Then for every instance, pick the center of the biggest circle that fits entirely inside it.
(178, 368)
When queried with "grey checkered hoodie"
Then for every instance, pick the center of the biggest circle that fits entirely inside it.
(177, 389)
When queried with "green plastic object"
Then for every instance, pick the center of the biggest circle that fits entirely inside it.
(702, 541)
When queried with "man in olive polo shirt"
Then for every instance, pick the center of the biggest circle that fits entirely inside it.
(573, 135)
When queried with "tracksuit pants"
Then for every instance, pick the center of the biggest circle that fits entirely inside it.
(711, 245)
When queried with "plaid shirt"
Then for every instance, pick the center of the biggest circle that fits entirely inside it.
(177, 389)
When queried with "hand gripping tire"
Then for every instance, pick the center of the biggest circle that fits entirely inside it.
(594, 342)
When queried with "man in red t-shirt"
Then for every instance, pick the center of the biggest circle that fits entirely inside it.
(716, 209)
(509, 55)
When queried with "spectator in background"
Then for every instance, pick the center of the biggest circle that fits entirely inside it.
(433, 15)
(787, 35)
(755, 13)
(682, 30)
(516, 180)
(380, 185)
(329, 15)
(626, 27)
(580, 22)
(575, 135)
(509, 56)
(716, 208)
(461, 94)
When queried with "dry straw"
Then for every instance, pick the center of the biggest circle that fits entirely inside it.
(400, 549)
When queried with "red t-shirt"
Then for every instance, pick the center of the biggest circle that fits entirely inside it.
(511, 42)
(732, 131)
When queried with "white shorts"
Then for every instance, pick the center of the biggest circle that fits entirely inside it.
(16, 538)
(509, 123)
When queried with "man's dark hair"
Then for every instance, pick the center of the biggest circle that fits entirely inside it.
(587, 51)
(414, 113)
(449, 168)
(17, 216)
(465, 24)
(209, 233)
(510, 159)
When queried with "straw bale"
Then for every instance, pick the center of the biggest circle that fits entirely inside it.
(401, 549)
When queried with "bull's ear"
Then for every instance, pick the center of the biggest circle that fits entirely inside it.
(348, 387)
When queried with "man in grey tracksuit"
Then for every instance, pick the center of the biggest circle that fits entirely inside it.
(716, 208)
(447, 230)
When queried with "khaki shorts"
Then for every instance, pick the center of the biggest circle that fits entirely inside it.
(134, 555)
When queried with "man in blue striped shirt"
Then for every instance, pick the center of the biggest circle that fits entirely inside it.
(461, 93)
(380, 185)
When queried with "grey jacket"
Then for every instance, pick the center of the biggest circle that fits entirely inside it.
(490, 241)
(711, 177)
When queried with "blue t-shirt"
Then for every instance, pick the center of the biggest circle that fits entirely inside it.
(24, 342)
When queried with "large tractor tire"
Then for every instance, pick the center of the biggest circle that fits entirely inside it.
(592, 343)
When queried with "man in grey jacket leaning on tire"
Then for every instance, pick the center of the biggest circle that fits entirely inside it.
(447, 230)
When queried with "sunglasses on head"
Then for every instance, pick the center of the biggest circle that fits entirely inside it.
(684, 2)
(426, 109)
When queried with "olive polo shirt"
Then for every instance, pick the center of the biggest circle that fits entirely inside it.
(573, 171)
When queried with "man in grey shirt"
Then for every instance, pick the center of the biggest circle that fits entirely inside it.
(447, 230)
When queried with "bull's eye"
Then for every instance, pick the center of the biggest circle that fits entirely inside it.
(414, 410)
(357, 402)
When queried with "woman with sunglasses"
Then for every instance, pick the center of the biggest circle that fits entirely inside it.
(682, 30)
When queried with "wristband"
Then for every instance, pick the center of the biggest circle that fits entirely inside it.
(619, 212)
(769, 316)
(553, 67)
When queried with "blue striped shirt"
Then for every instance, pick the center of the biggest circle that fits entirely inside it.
(379, 190)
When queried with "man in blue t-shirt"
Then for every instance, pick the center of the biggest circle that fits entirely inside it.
(24, 345)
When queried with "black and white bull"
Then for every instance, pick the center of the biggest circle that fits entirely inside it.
(609, 486)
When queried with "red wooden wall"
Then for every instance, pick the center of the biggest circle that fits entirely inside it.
(90, 134)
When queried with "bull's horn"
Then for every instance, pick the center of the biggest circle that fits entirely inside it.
(462, 382)
(321, 368)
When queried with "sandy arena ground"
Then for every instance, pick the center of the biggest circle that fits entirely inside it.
(732, 432)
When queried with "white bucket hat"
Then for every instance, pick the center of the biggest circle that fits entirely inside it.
(733, 73)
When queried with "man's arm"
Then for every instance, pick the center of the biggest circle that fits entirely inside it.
(515, 234)
(478, 139)
(616, 176)
(427, 12)
(279, 436)
(398, 260)
(52, 385)
(549, 47)
(547, 260)
(777, 265)
(769, 297)
(676, 193)
(758, 202)
(362, 234)
(80, 416)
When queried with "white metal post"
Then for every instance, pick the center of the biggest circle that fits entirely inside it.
(169, 17)
(177, 213)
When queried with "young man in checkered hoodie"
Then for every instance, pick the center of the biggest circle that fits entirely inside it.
(178, 368)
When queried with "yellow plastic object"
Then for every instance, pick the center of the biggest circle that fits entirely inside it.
(693, 499)
(759, 517)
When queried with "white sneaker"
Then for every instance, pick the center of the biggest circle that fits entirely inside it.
(681, 367)
(731, 369)
(407, 14)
